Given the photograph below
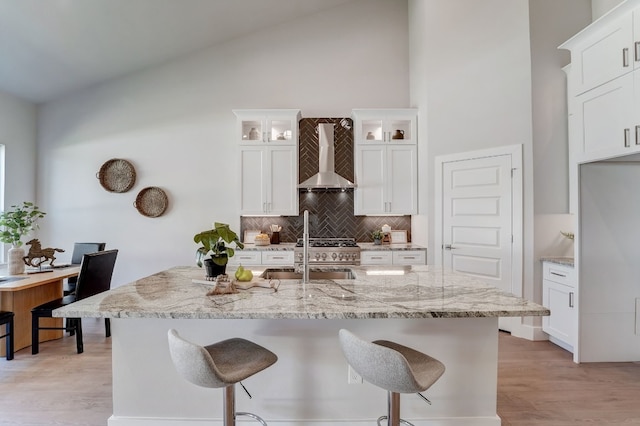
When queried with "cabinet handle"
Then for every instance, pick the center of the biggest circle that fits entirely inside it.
(277, 257)
(627, 144)
(625, 57)
(637, 135)
(557, 274)
(571, 299)
(376, 257)
(636, 46)
(408, 257)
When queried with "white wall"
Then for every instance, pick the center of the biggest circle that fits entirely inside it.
(480, 85)
(551, 23)
(471, 80)
(18, 135)
(600, 7)
(175, 124)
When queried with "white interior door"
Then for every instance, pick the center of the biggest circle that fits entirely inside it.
(477, 218)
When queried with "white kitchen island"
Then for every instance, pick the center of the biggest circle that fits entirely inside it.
(452, 317)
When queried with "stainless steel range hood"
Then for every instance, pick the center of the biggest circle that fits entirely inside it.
(326, 178)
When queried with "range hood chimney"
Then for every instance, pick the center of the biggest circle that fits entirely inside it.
(326, 178)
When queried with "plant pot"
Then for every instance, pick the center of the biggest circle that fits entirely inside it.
(377, 241)
(213, 269)
(16, 261)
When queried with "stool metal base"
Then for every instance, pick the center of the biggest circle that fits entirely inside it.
(230, 414)
(393, 409)
(399, 421)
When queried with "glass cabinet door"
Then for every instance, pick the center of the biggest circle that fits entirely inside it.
(399, 129)
(251, 130)
(280, 130)
(372, 130)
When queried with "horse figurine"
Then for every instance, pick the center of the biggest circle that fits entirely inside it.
(36, 252)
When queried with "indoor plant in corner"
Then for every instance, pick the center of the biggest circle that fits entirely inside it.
(216, 241)
(15, 224)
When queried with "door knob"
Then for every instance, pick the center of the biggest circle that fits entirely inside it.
(448, 247)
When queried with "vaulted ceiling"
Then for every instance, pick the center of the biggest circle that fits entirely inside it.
(49, 48)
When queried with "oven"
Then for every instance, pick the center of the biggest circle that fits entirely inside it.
(328, 251)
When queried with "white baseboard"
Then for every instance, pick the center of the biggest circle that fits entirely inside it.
(529, 332)
(457, 421)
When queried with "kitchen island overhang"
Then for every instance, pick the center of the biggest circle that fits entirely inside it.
(449, 316)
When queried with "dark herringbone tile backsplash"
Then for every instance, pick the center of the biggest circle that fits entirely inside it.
(330, 212)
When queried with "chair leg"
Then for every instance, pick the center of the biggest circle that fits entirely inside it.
(9, 340)
(393, 411)
(229, 411)
(79, 342)
(35, 335)
(107, 327)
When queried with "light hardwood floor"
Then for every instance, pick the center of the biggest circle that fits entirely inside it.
(538, 385)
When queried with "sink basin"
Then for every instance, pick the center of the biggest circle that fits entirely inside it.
(290, 274)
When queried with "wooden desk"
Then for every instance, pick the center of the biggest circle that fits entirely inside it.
(22, 295)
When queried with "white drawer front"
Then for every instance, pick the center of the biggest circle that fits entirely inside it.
(409, 257)
(284, 258)
(560, 274)
(246, 258)
(376, 257)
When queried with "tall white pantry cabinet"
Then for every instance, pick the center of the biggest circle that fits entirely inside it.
(603, 92)
(268, 151)
(386, 163)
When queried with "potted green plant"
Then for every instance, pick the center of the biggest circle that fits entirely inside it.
(216, 242)
(15, 224)
(377, 235)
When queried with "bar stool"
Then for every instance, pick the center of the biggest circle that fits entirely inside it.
(6, 318)
(393, 367)
(220, 365)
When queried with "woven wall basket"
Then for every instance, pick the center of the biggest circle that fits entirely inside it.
(117, 175)
(151, 202)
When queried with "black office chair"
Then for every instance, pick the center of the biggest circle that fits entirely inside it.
(95, 275)
(6, 318)
(79, 250)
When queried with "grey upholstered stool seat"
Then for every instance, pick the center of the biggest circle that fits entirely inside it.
(220, 365)
(391, 366)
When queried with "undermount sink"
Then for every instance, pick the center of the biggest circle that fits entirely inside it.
(290, 274)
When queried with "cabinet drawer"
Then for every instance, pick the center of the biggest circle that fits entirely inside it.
(376, 257)
(560, 274)
(409, 257)
(246, 258)
(277, 258)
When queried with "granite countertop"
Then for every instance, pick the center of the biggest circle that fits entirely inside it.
(560, 260)
(363, 246)
(270, 247)
(396, 292)
(391, 247)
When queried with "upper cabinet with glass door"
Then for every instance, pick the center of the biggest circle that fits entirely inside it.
(385, 125)
(272, 126)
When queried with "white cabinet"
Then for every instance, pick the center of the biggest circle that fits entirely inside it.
(385, 125)
(262, 257)
(604, 86)
(268, 166)
(376, 257)
(559, 295)
(385, 168)
(409, 257)
(273, 126)
(393, 257)
(279, 257)
(245, 258)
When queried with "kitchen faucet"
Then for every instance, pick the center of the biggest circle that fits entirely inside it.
(305, 250)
